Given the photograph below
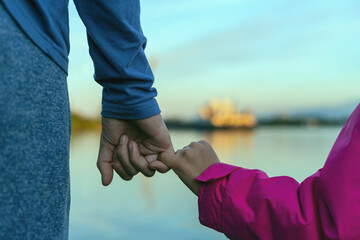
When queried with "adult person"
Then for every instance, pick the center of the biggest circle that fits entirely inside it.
(35, 115)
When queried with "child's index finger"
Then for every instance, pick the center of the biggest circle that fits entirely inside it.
(168, 158)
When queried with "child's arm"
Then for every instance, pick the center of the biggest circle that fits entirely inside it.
(243, 203)
(247, 204)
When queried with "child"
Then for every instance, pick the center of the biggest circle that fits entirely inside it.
(247, 204)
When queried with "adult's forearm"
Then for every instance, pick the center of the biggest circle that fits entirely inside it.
(116, 45)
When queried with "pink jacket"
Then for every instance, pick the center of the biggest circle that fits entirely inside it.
(247, 204)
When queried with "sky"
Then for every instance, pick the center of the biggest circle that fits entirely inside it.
(267, 56)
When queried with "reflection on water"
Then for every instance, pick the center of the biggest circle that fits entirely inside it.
(148, 192)
(227, 141)
(161, 207)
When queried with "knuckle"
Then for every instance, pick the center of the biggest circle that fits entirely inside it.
(164, 170)
(133, 172)
(193, 144)
(126, 178)
(184, 153)
(149, 173)
(187, 152)
(180, 152)
(203, 142)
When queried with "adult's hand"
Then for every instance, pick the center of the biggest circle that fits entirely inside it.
(128, 146)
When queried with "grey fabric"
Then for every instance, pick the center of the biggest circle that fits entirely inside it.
(34, 139)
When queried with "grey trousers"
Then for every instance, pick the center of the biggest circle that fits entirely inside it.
(34, 139)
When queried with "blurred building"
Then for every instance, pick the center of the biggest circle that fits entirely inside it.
(223, 114)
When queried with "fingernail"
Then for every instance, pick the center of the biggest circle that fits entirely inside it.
(130, 146)
(122, 139)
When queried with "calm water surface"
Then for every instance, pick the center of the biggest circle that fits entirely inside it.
(161, 207)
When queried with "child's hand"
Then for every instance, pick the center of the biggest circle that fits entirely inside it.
(189, 162)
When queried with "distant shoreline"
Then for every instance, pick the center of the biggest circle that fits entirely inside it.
(178, 124)
(80, 123)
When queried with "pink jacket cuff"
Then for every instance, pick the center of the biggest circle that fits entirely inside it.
(216, 171)
(209, 194)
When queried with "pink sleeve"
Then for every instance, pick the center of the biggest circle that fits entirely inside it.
(247, 204)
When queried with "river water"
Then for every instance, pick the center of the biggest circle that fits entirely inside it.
(161, 207)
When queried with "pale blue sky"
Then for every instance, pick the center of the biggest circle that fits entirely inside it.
(265, 55)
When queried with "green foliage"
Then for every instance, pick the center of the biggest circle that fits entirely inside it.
(80, 123)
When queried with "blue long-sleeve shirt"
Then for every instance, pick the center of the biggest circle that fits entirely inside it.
(116, 45)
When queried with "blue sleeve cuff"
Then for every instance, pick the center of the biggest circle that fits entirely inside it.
(137, 111)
